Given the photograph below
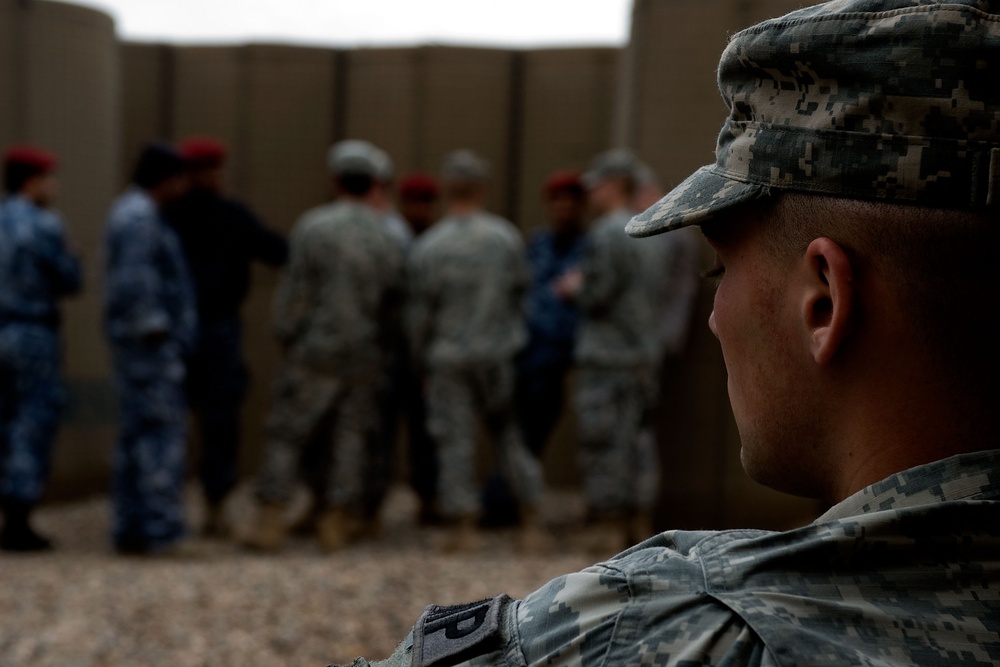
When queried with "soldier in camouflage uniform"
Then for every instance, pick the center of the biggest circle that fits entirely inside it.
(467, 276)
(332, 312)
(614, 354)
(853, 207)
(36, 270)
(150, 318)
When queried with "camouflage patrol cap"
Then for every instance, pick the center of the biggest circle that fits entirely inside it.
(464, 165)
(353, 156)
(615, 163)
(892, 100)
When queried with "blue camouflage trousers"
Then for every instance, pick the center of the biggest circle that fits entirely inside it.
(619, 460)
(149, 460)
(30, 403)
(456, 399)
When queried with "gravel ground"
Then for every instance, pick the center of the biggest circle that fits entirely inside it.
(84, 606)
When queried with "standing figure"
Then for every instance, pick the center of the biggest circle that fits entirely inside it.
(332, 312)
(614, 354)
(553, 318)
(467, 277)
(36, 270)
(151, 323)
(220, 238)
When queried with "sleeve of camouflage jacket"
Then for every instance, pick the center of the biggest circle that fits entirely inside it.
(604, 616)
(602, 273)
(291, 303)
(135, 280)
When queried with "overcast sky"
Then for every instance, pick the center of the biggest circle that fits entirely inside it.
(372, 22)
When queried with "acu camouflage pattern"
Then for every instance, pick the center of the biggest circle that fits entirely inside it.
(334, 310)
(36, 269)
(893, 100)
(336, 303)
(905, 572)
(467, 277)
(615, 298)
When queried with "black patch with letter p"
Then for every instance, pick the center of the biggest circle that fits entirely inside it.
(445, 636)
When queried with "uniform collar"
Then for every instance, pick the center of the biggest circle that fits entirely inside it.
(974, 476)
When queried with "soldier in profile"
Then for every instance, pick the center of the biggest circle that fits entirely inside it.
(36, 271)
(853, 207)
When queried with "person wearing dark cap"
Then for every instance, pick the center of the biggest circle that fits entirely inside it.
(333, 311)
(853, 206)
(150, 317)
(553, 319)
(418, 195)
(466, 279)
(221, 238)
(36, 271)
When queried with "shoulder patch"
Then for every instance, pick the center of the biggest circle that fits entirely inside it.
(445, 636)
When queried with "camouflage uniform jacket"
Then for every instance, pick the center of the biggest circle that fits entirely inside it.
(334, 308)
(148, 288)
(35, 266)
(614, 299)
(466, 278)
(904, 572)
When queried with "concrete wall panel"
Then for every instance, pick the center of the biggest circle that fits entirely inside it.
(146, 84)
(384, 103)
(468, 105)
(565, 118)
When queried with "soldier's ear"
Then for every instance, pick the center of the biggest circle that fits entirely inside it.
(829, 298)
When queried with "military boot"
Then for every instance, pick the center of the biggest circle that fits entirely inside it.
(270, 531)
(338, 528)
(532, 538)
(463, 535)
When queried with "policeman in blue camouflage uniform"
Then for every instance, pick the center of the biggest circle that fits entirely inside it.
(333, 311)
(151, 322)
(466, 278)
(36, 270)
(615, 354)
(853, 207)
(553, 319)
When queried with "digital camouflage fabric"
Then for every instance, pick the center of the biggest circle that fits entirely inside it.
(894, 100)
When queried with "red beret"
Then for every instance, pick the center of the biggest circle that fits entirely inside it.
(26, 155)
(564, 181)
(203, 152)
(418, 185)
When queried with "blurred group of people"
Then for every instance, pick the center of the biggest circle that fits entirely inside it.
(403, 301)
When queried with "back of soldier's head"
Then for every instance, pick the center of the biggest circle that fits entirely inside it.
(354, 165)
(875, 123)
(464, 176)
(24, 162)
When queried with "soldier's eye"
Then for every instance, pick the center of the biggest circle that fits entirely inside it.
(715, 273)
